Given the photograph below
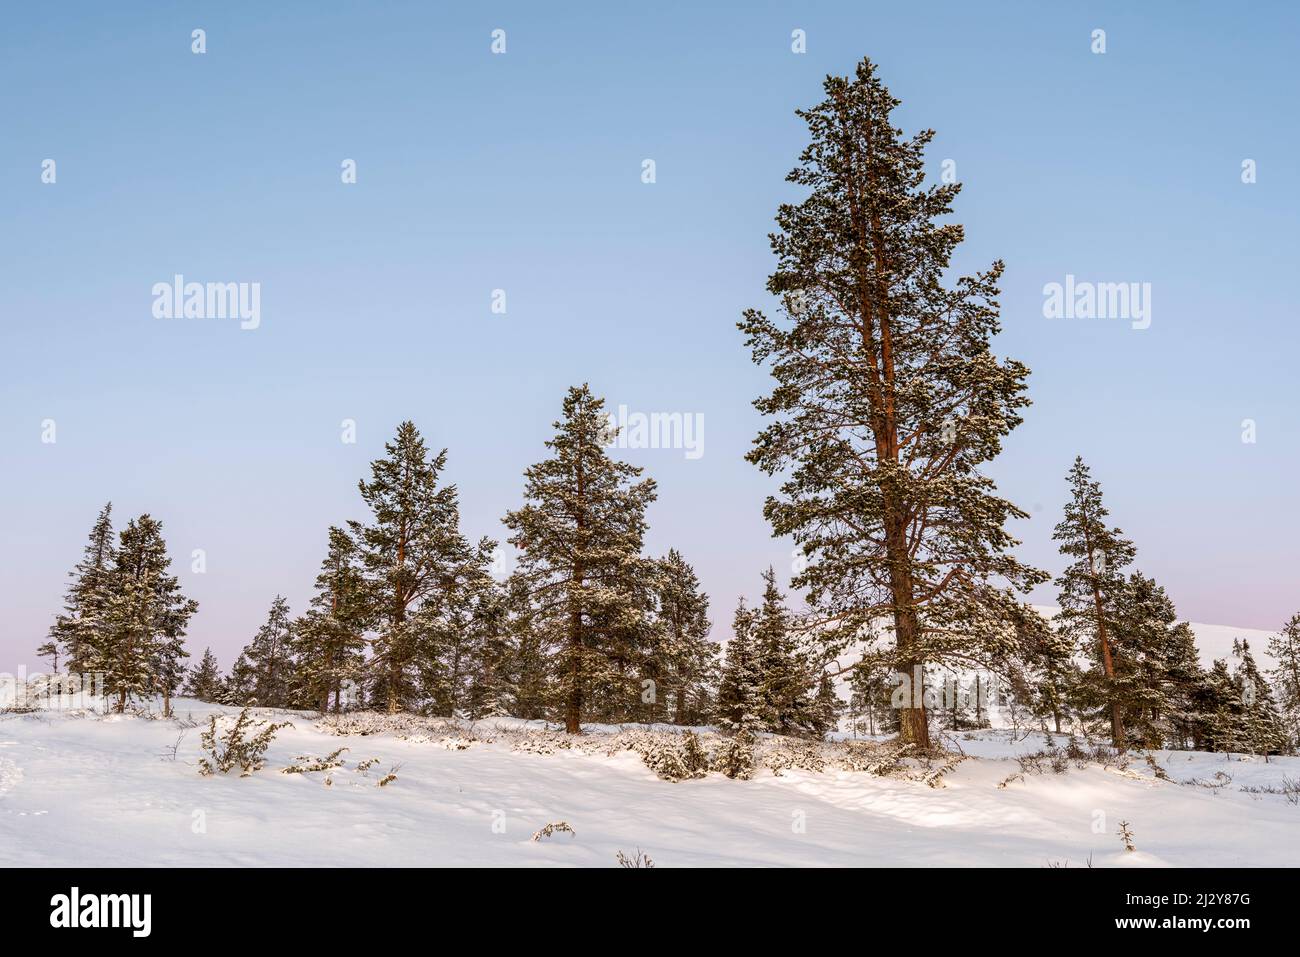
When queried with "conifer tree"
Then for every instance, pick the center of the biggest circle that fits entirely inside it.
(1220, 707)
(80, 627)
(490, 688)
(1092, 590)
(204, 681)
(888, 399)
(530, 665)
(141, 650)
(1284, 647)
(579, 535)
(50, 650)
(1185, 688)
(689, 657)
(1049, 677)
(1143, 641)
(740, 691)
(238, 688)
(269, 658)
(415, 559)
(784, 682)
(1261, 730)
(824, 715)
(455, 632)
(329, 641)
(870, 690)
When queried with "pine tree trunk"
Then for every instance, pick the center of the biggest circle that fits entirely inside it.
(913, 723)
(573, 707)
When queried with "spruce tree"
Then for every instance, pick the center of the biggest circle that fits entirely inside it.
(1220, 707)
(490, 688)
(888, 399)
(1261, 730)
(1284, 647)
(740, 690)
(329, 641)
(824, 715)
(141, 650)
(689, 657)
(1185, 689)
(204, 681)
(238, 688)
(530, 665)
(79, 629)
(1049, 677)
(1144, 642)
(869, 696)
(784, 681)
(1092, 590)
(579, 535)
(269, 658)
(415, 559)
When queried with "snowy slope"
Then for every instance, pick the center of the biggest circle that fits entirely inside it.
(102, 790)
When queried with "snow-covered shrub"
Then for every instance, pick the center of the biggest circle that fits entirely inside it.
(794, 754)
(735, 758)
(671, 756)
(555, 827)
(542, 742)
(235, 747)
(694, 755)
(305, 763)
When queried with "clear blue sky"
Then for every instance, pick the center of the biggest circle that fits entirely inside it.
(522, 172)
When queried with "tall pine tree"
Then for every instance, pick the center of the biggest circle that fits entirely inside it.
(80, 627)
(269, 658)
(416, 562)
(1261, 729)
(141, 650)
(579, 535)
(204, 680)
(329, 641)
(740, 692)
(1092, 590)
(689, 657)
(888, 399)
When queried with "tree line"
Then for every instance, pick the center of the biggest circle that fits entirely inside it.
(888, 402)
(408, 616)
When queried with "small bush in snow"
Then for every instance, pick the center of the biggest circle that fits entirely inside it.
(306, 763)
(794, 754)
(555, 827)
(236, 747)
(1289, 789)
(636, 861)
(735, 758)
(1126, 835)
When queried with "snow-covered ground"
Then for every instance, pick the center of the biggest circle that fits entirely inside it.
(95, 790)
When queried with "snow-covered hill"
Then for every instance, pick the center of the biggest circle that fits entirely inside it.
(93, 790)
